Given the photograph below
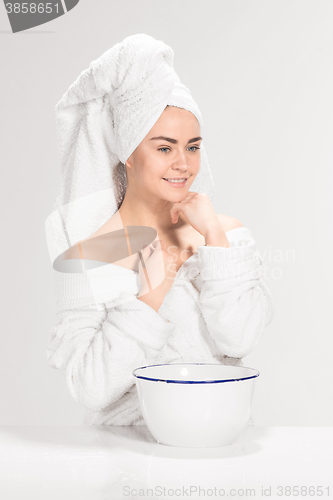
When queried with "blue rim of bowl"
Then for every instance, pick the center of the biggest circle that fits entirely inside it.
(194, 381)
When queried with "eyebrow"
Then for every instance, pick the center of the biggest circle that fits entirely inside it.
(174, 141)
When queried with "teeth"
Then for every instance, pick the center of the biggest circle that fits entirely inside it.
(176, 180)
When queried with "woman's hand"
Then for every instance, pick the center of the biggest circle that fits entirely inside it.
(199, 212)
(151, 268)
(153, 263)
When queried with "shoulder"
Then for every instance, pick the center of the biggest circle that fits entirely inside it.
(72, 252)
(93, 244)
(229, 222)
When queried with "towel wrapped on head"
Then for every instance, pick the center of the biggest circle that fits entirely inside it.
(101, 119)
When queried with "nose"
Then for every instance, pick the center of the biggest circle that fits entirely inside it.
(180, 163)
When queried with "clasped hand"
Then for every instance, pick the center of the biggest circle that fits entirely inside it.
(199, 212)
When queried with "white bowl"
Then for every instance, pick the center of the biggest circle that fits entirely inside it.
(195, 405)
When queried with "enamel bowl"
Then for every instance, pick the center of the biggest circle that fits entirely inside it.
(195, 405)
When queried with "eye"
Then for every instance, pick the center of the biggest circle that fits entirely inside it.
(193, 148)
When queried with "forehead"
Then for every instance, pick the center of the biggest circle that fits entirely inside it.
(177, 119)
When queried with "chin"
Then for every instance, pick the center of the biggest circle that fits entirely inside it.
(177, 197)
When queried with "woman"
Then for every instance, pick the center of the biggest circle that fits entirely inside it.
(203, 301)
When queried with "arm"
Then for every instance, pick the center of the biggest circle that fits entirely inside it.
(98, 346)
(234, 300)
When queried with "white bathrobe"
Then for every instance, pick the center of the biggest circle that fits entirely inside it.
(215, 312)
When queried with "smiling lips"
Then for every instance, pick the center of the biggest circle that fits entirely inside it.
(177, 182)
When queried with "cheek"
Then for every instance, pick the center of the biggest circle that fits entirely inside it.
(154, 170)
(150, 172)
(195, 165)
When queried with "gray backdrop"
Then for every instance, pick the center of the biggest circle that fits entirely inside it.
(262, 75)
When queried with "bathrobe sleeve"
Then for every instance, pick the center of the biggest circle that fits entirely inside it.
(97, 346)
(234, 300)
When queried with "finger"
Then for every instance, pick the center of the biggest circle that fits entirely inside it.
(143, 257)
(156, 244)
(175, 209)
(174, 217)
(145, 253)
(146, 249)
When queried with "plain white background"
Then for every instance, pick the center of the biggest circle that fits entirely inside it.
(262, 75)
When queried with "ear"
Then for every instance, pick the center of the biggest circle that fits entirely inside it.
(129, 161)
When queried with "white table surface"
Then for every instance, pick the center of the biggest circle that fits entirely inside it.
(111, 463)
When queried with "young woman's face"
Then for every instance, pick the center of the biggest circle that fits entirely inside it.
(170, 151)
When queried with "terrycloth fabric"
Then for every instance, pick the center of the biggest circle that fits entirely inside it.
(101, 119)
(215, 312)
(103, 331)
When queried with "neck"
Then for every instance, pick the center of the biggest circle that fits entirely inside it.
(149, 211)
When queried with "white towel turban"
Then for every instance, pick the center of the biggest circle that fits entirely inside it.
(100, 120)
